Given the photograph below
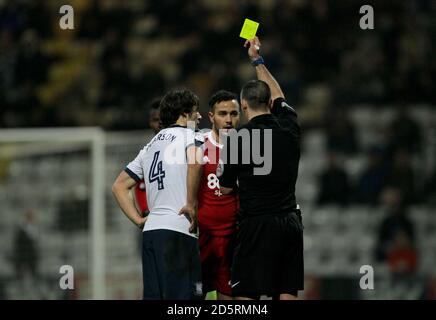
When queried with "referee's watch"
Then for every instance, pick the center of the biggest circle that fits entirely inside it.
(258, 61)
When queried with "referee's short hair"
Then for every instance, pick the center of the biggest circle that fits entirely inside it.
(257, 94)
(220, 96)
(174, 104)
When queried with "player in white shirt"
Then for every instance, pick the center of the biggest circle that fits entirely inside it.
(170, 258)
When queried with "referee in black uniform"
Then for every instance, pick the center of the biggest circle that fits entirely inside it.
(268, 259)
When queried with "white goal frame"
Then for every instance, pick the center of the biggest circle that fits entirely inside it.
(95, 138)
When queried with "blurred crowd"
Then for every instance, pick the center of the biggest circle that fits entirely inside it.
(389, 163)
(121, 54)
(392, 178)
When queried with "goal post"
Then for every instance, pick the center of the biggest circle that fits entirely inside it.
(94, 138)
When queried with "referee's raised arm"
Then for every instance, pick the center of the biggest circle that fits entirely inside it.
(261, 70)
(278, 106)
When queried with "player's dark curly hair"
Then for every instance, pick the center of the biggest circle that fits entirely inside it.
(176, 103)
(257, 94)
(221, 96)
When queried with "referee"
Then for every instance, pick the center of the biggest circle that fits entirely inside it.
(268, 258)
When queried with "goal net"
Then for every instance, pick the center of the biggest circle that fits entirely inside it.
(57, 209)
(52, 196)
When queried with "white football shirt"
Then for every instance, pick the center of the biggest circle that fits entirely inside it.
(162, 163)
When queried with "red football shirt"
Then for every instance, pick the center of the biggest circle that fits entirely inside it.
(141, 196)
(216, 211)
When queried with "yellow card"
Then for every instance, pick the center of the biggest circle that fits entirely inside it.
(249, 29)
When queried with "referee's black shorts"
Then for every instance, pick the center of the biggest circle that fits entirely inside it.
(170, 266)
(268, 258)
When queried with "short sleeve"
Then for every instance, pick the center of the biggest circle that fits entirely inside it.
(282, 109)
(227, 175)
(286, 115)
(194, 138)
(134, 168)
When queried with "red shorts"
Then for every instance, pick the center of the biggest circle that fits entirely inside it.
(216, 253)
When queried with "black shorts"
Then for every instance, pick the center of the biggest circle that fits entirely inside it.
(268, 257)
(170, 266)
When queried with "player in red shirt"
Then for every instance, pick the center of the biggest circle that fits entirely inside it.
(217, 212)
(154, 124)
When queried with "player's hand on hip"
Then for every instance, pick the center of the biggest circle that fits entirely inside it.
(253, 46)
(190, 212)
(140, 222)
(144, 213)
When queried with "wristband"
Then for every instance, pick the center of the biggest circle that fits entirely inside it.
(258, 61)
